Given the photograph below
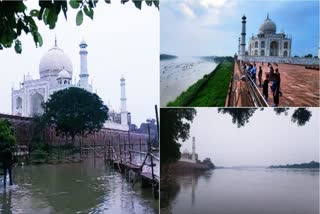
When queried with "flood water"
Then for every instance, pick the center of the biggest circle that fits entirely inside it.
(246, 191)
(88, 187)
(176, 75)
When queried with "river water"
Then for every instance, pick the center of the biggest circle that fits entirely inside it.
(246, 191)
(176, 75)
(88, 187)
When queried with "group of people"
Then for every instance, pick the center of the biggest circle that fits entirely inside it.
(272, 76)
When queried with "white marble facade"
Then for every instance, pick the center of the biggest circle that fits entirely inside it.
(267, 43)
(186, 156)
(55, 70)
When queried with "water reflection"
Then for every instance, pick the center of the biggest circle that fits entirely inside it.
(6, 202)
(86, 187)
(178, 185)
(245, 191)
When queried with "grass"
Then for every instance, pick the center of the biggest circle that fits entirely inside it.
(211, 90)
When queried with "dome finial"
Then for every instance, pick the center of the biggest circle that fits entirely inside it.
(55, 40)
(267, 16)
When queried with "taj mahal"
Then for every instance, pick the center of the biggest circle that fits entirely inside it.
(268, 42)
(55, 70)
(268, 45)
(186, 156)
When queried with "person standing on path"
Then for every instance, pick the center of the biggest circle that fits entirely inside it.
(7, 162)
(260, 76)
(265, 87)
(275, 87)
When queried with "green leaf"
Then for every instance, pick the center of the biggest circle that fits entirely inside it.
(29, 19)
(35, 37)
(79, 18)
(40, 40)
(17, 46)
(45, 15)
(137, 3)
(88, 12)
(52, 18)
(156, 3)
(149, 2)
(34, 12)
(26, 29)
(19, 27)
(65, 8)
(45, 4)
(74, 4)
(41, 13)
(20, 7)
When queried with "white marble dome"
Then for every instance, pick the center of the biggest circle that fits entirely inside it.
(63, 74)
(185, 151)
(268, 26)
(53, 62)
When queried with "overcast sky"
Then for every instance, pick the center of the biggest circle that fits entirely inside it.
(122, 40)
(267, 139)
(212, 27)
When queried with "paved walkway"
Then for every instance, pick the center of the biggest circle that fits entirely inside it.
(240, 96)
(300, 86)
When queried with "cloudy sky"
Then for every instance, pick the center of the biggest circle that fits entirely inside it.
(267, 139)
(122, 40)
(212, 27)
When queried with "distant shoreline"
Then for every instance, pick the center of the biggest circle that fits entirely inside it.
(311, 165)
(167, 57)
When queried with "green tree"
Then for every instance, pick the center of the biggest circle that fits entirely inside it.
(240, 116)
(174, 126)
(16, 18)
(75, 111)
(301, 116)
(208, 162)
(7, 138)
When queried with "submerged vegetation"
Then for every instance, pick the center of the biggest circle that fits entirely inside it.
(211, 90)
(167, 56)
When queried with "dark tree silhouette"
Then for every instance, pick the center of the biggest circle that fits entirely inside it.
(209, 163)
(174, 126)
(240, 116)
(301, 116)
(279, 111)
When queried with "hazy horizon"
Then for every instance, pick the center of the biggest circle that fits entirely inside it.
(267, 139)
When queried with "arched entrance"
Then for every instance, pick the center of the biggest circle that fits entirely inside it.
(18, 103)
(274, 48)
(285, 53)
(36, 101)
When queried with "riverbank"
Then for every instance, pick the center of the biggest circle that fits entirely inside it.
(211, 90)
